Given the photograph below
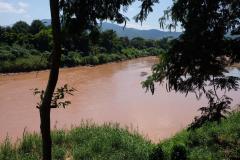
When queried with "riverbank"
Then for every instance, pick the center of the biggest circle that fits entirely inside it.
(32, 60)
(37, 72)
(109, 141)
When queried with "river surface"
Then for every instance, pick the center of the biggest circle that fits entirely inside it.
(105, 93)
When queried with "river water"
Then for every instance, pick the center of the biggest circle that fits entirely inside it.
(105, 93)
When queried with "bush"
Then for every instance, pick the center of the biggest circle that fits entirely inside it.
(115, 57)
(179, 152)
(24, 64)
(71, 59)
(90, 60)
(35, 52)
(104, 58)
(130, 52)
(157, 153)
(20, 52)
(6, 55)
(154, 51)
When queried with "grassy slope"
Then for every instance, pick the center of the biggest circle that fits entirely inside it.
(212, 141)
(86, 142)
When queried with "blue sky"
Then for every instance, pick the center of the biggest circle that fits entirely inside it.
(27, 10)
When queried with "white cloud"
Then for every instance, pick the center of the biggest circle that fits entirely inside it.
(19, 8)
(23, 5)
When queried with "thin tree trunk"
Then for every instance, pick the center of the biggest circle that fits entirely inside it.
(45, 108)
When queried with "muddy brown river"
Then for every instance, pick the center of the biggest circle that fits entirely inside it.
(106, 93)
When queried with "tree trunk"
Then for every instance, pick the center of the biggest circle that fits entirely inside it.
(45, 108)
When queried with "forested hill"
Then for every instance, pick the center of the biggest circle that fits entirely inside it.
(132, 32)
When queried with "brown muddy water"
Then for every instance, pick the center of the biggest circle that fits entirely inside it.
(106, 93)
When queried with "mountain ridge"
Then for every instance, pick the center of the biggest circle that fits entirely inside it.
(131, 33)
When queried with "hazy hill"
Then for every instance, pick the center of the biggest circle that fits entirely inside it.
(132, 32)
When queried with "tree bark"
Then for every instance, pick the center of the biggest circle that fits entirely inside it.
(45, 108)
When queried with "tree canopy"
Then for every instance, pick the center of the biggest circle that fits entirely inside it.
(81, 15)
(36, 26)
(20, 27)
(197, 60)
(203, 50)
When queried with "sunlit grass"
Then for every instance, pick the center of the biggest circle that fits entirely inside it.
(89, 141)
(109, 141)
(212, 141)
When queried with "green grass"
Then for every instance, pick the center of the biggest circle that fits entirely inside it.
(89, 141)
(211, 142)
(110, 142)
(31, 63)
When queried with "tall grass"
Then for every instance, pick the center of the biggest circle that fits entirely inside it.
(213, 141)
(89, 141)
(110, 142)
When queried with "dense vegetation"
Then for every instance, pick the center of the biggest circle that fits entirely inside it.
(212, 141)
(26, 47)
(86, 142)
(196, 61)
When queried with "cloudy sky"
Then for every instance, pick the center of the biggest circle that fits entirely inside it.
(27, 10)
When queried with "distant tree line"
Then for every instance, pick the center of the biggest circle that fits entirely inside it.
(25, 47)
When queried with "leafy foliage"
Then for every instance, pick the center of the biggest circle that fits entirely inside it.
(211, 141)
(58, 95)
(217, 109)
(157, 153)
(146, 8)
(42, 40)
(197, 60)
(31, 51)
(179, 152)
(82, 15)
(21, 27)
(36, 26)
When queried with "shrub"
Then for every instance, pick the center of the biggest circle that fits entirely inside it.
(129, 52)
(90, 60)
(179, 152)
(104, 58)
(154, 51)
(35, 52)
(217, 109)
(6, 55)
(72, 59)
(19, 51)
(157, 153)
(115, 57)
